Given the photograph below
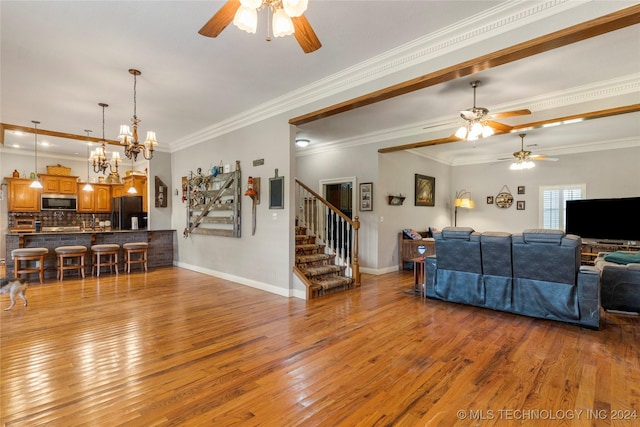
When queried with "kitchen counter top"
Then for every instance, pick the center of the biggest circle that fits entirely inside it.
(78, 231)
(160, 254)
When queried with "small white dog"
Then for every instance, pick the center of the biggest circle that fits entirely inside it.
(14, 287)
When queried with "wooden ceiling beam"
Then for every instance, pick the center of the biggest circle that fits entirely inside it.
(524, 127)
(9, 127)
(592, 28)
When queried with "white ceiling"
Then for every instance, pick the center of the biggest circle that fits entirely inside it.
(60, 59)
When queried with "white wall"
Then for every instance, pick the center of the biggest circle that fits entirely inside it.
(264, 260)
(160, 166)
(611, 173)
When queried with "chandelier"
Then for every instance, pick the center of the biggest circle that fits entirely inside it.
(130, 139)
(99, 155)
(246, 17)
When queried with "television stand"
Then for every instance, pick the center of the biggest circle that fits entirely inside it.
(609, 242)
(590, 250)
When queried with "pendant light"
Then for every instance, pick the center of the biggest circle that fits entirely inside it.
(88, 186)
(132, 189)
(36, 181)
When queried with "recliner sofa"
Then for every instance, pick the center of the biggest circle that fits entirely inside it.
(536, 273)
(620, 284)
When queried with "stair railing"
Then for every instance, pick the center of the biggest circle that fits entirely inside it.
(331, 227)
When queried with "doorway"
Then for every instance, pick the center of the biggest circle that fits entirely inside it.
(339, 192)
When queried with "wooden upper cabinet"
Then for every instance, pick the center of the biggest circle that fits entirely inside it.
(21, 197)
(102, 198)
(59, 184)
(139, 182)
(98, 200)
(117, 190)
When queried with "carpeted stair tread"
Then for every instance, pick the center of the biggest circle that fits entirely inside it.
(325, 269)
(309, 248)
(312, 258)
(333, 282)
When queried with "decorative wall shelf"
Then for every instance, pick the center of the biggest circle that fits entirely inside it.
(213, 204)
(395, 200)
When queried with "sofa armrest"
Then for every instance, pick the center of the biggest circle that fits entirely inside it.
(589, 296)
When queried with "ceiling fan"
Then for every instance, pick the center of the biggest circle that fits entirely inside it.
(524, 158)
(478, 123)
(228, 13)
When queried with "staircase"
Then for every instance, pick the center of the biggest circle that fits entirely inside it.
(326, 245)
(318, 267)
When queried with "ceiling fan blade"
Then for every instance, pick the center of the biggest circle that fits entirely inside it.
(305, 35)
(221, 19)
(543, 157)
(513, 113)
(497, 126)
(506, 158)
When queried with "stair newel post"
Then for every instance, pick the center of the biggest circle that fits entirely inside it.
(355, 266)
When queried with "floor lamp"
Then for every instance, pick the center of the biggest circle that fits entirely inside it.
(462, 200)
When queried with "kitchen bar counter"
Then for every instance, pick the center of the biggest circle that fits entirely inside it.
(161, 244)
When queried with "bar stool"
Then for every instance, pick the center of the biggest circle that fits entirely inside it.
(99, 251)
(26, 255)
(75, 257)
(135, 248)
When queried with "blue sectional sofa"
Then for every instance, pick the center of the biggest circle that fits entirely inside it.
(536, 273)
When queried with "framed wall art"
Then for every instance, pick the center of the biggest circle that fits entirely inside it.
(366, 196)
(425, 187)
(520, 205)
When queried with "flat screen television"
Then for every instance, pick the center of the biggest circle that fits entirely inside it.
(607, 220)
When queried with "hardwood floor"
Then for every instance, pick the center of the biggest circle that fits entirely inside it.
(176, 347)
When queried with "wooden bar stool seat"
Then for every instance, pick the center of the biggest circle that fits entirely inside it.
(74, 256)
(27, 255)
(110, 251)
(135, 248)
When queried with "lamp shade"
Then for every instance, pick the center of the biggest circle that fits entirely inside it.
(295, 7)
(151, 138)
(125, 133)
(282, 24)
(246, 19)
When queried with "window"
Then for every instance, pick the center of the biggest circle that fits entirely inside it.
(552, 202)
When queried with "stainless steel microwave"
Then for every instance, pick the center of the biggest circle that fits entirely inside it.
(54, 202)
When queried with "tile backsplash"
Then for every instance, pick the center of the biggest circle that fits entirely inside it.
(59, 218)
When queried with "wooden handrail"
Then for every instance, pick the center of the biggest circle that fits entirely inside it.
(329, 205)
(354, 223)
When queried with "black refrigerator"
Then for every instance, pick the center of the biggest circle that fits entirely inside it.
(123, 209)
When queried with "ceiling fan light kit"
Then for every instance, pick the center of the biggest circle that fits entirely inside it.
(130, 139)
(287, 19)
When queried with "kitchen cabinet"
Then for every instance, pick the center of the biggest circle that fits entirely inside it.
(117, 190)
(96, 201)
(21, 197)
(139, 182)
(58, 184)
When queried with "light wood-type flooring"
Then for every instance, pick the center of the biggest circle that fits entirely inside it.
(176, 347)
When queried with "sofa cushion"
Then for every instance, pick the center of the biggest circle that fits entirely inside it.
(543, 236)
(461, 233)
(621, 257)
